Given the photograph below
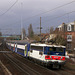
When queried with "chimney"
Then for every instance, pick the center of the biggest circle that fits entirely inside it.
(63, 27)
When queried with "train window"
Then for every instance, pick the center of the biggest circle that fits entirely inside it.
(36, 48)
(50, 49)
(59, 49)
(20, 50)
(54, 49)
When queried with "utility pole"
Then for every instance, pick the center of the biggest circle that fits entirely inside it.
(21, 23)
(40, 28)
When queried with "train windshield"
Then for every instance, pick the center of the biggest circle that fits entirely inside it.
(54, 50)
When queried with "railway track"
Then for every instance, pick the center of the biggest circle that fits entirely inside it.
(27, 70)
(31, 62)
(22, 67)
(4, 70)
(27, 67)
(62, 71)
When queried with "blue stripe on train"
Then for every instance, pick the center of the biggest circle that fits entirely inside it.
(51, 52)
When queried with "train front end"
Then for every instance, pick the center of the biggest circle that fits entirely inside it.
(55, 56)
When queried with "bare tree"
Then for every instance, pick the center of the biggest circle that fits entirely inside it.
(51, 30)
(23, 33)
(0, 33)
(30, 31)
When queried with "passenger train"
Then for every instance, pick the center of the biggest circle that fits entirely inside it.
(45, 54)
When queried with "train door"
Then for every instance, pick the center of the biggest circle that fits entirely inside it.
(27, 48)
(25, 51)
(10, 46)
(16, 48)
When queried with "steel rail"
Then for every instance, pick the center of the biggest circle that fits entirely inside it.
(25, 65)
(58, 72)
(63, 72)
(39, 65)
(16, 64)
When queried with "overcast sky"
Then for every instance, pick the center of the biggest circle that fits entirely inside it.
(31, 11)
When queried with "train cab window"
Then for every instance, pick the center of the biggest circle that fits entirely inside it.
(50, 49)
(60, 49)
(54, 49)
(57, 49)
(36, 48)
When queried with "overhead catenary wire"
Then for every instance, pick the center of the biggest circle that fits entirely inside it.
(48, 11)
(9, 8)
(57, 16)
(42, 12)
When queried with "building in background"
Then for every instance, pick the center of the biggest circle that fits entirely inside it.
(51, 36)
(69, 30)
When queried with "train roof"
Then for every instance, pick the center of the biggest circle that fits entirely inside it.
(46, 45)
